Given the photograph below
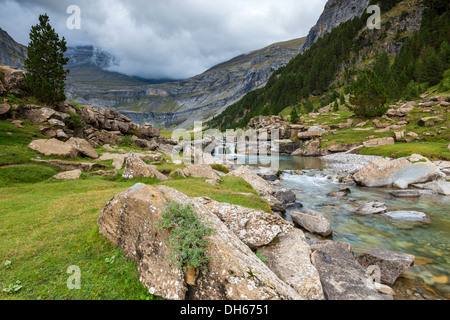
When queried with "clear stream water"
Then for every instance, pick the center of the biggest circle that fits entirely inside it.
(430, 243)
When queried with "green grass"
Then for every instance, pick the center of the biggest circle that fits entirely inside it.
(232, 191)
(47, 227)
(431, 150)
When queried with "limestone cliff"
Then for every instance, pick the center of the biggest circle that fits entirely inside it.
(335, 13)
(12, 53)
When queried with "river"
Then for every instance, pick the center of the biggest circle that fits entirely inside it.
(430, 243)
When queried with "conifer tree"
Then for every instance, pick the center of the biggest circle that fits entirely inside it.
(45, 78)
(368, 95)
(294, 115)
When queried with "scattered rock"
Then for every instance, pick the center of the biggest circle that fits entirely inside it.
(201, 171)
(341, 276)
(53, 147)
(180, 173)
(309, 135)
(408, 216)
(441, 187)
(4, 110)
(373, 207)
(289, 259)
(392, 264)
(399, 136)
(108, 148)
(274, 203)
(71, 165)
(135, 167)
(83, 147)
(405, 193)
(259, 184)
(18, 123)
(379, 142)
(385, 172)
(68, 175)
(312, 221)
(286, 196)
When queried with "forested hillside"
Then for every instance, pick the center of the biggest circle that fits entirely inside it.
(322, 74)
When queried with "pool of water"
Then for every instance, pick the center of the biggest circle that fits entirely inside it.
(430, 243)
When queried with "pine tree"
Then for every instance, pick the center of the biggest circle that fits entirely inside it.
(45, 78)
(368, 95)
(294, 115)
(433, 70)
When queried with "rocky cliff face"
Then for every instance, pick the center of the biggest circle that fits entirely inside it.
(335, 13)
(12, 53)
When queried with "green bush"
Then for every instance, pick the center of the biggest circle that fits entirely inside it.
(127, 140)
(74, 121)
(187, 236)
(221, 168)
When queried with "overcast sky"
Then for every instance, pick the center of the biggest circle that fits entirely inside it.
(168, 38)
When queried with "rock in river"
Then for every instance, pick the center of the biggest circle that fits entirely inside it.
(408, 216)
(341, 275)
(312, 221)
(392, 264)
(373, 207)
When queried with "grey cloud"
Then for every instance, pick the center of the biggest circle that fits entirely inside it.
(169, 38)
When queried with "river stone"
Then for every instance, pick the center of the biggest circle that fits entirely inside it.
(259, 184)
(312, 221)
(68, 175)
(341, 276)
(275, 204)
(407, 216)
(385, 172)
(373, 207)
(405, 193)
(289, 259)
(392, 264)
(286, 196)
(53, 147)
(441, 187)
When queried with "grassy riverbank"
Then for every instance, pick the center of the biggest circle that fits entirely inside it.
(47, 226)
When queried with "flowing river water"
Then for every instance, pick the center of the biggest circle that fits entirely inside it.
(430, 243)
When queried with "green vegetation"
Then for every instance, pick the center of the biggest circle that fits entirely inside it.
(220, 168)
(45, 78)
(294, 115)
(368, 96)
(187, 236)
(74, 121)
(315, 78)
(432, 150)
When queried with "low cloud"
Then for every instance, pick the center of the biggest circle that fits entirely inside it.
(168, 38)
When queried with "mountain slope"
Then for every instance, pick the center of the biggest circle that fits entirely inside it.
(181, 103)
(12, 53)
(335, 13)
(414, 34)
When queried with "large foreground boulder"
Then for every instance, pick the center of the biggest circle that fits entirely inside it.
(400, 172)
(341, 275)
(254, 228)
(289, 258)
(130, 221)
(392, 264)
